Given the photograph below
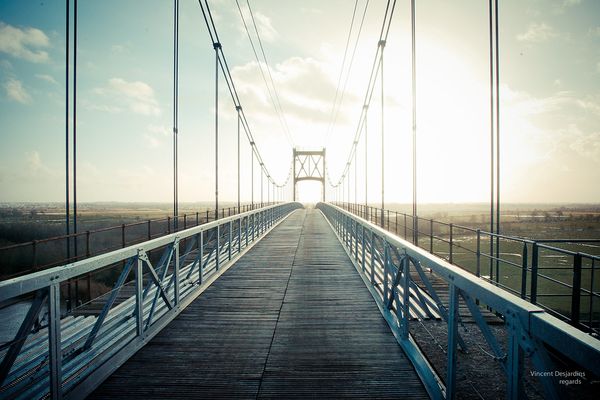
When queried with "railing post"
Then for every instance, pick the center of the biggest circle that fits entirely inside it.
(534, 271)
(88, 252)
(372, 258)
(34, 251)
(451, 240)
(139, 287)
(201, 266)
(54, 341)
(239, 235)
(386, 257)
(452, 336)
(351, 226)
(246, 228)
(230, 234)
(168, 224)
(478, 254)
(514, 360)
(363, 247)
(356, 225)
(404, 332)
(524, 272)
(218, 249)
(431, 235)
(576, 295)
(176, 271)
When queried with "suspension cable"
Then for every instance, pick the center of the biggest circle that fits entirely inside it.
(223, 65)
(377, 60)
(262, 73)
(262, 50)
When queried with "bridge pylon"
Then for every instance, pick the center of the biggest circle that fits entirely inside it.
(309, 165)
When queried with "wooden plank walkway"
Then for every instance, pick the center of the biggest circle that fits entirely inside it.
(291, 319)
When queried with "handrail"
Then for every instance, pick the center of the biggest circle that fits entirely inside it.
(61, 240)
(531, 330)
(76, 354)
(533, 258)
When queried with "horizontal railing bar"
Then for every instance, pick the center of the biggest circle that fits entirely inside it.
(574, 343)
(37, 280)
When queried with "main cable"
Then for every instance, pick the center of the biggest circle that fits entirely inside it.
(262, 50)
(262, 73)
(385, 27)
(223, 65)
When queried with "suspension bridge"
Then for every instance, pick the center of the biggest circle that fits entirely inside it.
(275, 299)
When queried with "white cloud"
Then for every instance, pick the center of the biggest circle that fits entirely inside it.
(6, 65)
(304, 86)
(265, 27)
(137, 96)
(587, 145)
(156, 135)
(26, 43)
(16, 92)
(561, 6)
(119, 48)
(46, 78)
(537, 32)
(35, 167)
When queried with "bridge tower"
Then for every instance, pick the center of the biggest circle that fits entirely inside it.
(309, 165)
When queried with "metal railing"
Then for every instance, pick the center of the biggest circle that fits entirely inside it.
(23, 258)
(563, 281)
(69, 355)
(35, 255)
(389, 264)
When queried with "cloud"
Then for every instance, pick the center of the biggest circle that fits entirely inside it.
(561, 6)
(26, 44)
(137, 96)
(16, 92)
(265, 27)
(119, 48)
(304, 86)
(34, 167)
(46, 78)
(587, 145)
(554, 123)
(537, 32)
(156, 135)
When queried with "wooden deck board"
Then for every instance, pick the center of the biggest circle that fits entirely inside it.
(292, 319)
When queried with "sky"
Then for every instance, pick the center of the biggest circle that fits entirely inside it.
(549, 90)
